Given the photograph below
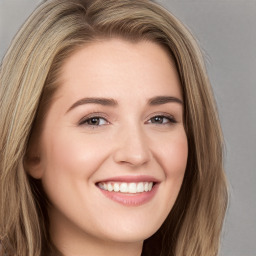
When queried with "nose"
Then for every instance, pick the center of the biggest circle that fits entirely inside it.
(132, 147)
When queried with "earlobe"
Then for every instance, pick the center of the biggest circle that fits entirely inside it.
(32, 165)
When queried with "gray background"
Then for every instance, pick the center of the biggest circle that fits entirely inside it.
(226, 32)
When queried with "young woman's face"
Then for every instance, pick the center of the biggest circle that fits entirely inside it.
(113, 149)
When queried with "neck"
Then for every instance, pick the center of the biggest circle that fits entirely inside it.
(98, 248)
(102, 249)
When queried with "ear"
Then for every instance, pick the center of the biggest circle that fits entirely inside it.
(32, 161)
(32, 165)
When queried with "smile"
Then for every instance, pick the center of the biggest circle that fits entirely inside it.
(129, 190)
(125, 187)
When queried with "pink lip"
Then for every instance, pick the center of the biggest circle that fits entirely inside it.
(129, 199)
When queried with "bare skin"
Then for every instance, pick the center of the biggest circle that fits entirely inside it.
(117, 116)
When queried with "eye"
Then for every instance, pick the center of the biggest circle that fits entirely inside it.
(161, 119)
(94, 121)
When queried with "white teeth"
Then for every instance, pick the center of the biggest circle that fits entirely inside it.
(132, 188)
(150, 185)
(101, 185)
(140, 187)
(116, 187)
(110, 187)
(124, 187)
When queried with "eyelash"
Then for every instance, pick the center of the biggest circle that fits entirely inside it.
(170, 120)
(86, 120)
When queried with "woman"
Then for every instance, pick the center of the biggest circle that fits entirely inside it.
(110, 139)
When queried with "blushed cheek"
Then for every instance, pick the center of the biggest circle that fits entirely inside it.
(68, 163)
(175, 158)
(74, 156)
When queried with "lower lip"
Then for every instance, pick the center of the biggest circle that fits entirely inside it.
(130, 199)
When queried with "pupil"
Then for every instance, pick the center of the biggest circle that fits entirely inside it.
(94, 121)
(158, 119)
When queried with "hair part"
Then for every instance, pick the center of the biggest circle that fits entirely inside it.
(29, 77)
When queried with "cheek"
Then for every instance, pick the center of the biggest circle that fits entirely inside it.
(69, 161)
(72, 154)
(176, 158)
(172, 155)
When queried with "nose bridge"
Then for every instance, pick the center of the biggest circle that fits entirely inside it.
(132, 147)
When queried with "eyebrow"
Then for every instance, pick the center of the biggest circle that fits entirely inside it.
(158, 100)
(99, 101)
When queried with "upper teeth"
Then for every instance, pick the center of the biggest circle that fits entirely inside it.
(126, 187)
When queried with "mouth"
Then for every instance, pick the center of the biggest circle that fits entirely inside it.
(126, 187)
(129, 191)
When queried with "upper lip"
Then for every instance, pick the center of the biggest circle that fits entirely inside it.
(131, 178)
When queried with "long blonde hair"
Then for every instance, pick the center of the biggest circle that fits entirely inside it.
(28, 80)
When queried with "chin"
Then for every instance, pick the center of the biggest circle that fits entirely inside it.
(130, 231)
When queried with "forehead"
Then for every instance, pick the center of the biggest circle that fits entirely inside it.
(117, 64)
